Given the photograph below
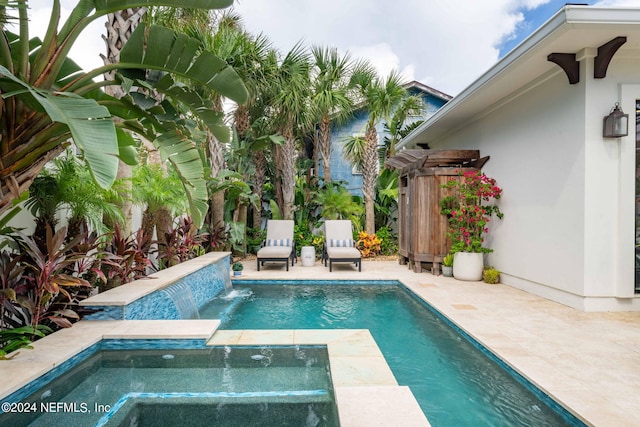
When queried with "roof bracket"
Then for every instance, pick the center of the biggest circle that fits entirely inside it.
(568, 62)
(605, 54)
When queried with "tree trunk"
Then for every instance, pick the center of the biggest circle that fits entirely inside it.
(124, 175)
(14, 182)
(241, 121)
(278, 177)
(324, 147)
(216, 160)
(369, 174)
(148, 223)
(259, 179)
(288, 172)
(120, 26)
(242, 218)
(163, 221)
(316, 155)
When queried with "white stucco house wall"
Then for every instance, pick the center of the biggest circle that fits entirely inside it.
(569, 193)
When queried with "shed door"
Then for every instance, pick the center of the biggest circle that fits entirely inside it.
(403, 218)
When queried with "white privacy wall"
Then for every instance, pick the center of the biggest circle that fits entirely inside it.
(562, 233)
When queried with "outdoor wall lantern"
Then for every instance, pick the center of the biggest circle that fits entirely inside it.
(616, 124)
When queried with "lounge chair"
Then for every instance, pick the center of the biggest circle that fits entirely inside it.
(279, 245)
(339, 245)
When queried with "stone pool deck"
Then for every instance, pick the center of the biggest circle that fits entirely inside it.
(589, 362)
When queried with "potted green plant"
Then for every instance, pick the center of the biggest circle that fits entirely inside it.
(237, 268)
(447, 265)
(469, 210)
(491, 275)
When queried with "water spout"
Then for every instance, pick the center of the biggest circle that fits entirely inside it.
(180, 294)
(228, 288)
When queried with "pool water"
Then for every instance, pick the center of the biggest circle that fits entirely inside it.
(222, 386)
(455, 383)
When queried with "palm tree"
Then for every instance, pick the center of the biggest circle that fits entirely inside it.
(223, 35)
(161, 196)
(119, 27)
(410, 105)
(88, 204)
(257, 65)
(381, 97)
(48, 99)
(291, 116)
(329, 98)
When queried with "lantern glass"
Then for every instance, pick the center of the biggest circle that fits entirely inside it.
(616, 124)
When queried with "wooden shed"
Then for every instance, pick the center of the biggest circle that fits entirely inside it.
(422, 229)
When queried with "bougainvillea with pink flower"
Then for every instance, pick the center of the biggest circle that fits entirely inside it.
(469, 210)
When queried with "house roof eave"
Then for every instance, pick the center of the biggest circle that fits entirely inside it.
(572, 29)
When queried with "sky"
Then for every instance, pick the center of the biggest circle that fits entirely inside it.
(445, 44)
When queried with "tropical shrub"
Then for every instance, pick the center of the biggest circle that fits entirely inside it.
(469, 210)
(318, 243)
(337, 203)
(40, 287)
(302, 236)
(126, 258)
(22, 337)
(255, 237)
(51, 289)
(49, 100)
(162, 196)
(13, 284)
(491, 275)
(447, 261)
(389, 241)
(181, 243)
(368, 244)
(386, 200)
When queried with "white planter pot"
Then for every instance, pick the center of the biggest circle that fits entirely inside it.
(468, 266)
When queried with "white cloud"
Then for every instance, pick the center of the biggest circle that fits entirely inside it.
(86, 50)
(382, 57)
(442, 43)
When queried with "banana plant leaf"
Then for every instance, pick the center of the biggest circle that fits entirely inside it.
(90, 124)
(163, 49)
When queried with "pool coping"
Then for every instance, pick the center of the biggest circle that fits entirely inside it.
(366, 391)
(582, 360)
(132, 291)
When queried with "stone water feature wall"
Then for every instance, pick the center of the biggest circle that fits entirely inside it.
(150, 299)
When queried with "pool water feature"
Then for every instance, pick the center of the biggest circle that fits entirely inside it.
(455, 380)
(181, 295)
(225, 386)
(178, 289)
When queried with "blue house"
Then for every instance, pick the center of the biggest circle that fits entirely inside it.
(341, 168)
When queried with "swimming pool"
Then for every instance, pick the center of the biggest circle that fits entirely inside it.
(223, 386)
(455, 381)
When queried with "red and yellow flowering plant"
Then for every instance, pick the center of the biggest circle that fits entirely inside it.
(368, 244)
(469, 210)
